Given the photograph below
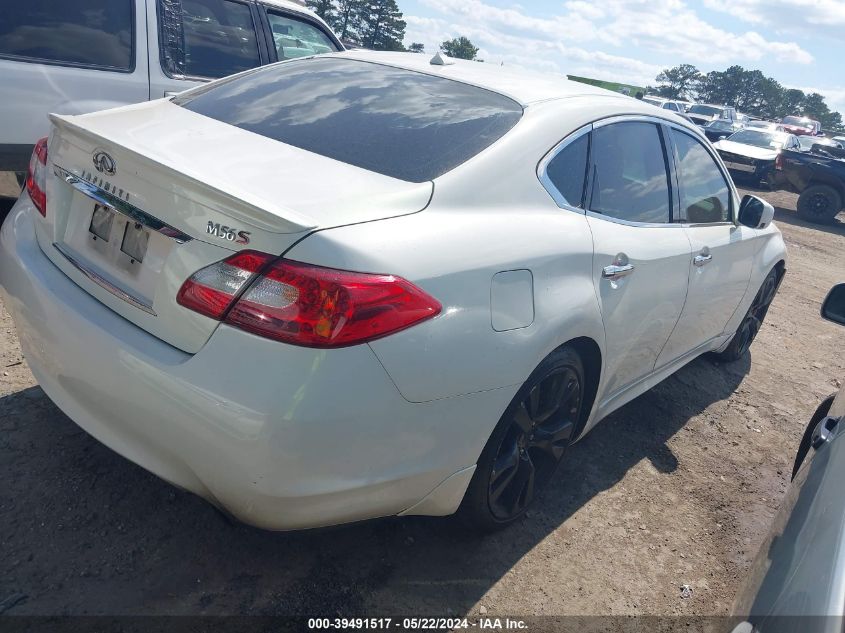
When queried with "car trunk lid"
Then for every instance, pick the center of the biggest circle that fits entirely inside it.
(144, 196)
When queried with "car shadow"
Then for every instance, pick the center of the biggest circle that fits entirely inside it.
(86, 531)
(789, 216)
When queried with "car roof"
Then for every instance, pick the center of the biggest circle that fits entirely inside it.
(523, 86)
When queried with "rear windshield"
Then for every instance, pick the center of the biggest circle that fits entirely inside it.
(396, 122)
(705, 109)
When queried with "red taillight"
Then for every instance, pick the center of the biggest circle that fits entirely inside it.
(307, 305)
(779, 161)
(36, 177)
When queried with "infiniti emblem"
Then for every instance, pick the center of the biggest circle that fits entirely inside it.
(104, 163)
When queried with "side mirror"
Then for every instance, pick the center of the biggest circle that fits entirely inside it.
(833, 308)
(755, 212)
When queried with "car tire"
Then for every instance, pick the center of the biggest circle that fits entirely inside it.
(753, 319)
(819, 204)
(527, 445)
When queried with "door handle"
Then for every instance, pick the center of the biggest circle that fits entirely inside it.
(617, 271)
(700, 260)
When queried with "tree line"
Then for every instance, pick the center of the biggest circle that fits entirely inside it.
(379, 25)
(748, 91)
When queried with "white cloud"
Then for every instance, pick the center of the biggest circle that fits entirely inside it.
(813, 17)
(539, 53)
(641, 23)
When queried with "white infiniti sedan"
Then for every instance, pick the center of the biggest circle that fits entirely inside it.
(364, 285)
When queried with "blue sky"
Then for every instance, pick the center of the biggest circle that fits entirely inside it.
(801, 43)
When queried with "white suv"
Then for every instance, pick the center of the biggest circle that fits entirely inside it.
(79, 56)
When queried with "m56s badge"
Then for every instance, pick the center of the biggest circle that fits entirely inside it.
(228, 233)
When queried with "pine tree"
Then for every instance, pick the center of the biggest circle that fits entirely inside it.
(325, 9)
(350, 21)
(383, 28)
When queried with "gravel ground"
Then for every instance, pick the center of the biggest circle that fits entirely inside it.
(677, 488)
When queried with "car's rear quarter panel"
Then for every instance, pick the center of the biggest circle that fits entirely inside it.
(487, 216)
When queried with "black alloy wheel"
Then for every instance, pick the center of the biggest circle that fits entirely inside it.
(750, 325)
(819, 204)
(528, 444)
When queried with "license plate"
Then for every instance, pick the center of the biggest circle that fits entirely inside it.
(739, 166)
(101, 222)
(135, 239)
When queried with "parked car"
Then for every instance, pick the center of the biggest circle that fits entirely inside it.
(367, 284)
(666, 104)
(797, 581)
(79, 56)
(819, 178)
(808, 143)
(752, 152)
(768, 126)
(702, 113)
(721, 128)
(801, 126)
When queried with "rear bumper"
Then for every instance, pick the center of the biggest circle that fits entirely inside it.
(283, 437)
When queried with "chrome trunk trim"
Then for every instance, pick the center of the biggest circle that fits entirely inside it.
(108, 199)
(104, 283)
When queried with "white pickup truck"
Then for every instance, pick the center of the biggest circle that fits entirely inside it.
(79, 56)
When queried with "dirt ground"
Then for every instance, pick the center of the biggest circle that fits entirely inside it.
(677, 488)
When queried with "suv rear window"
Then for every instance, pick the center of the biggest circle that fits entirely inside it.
(94, 33)
(396, 122)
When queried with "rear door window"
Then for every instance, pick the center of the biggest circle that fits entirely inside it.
(704, 192)
(207, 38)
(90, 33)
(630, 179)
(392, 121)
(297, 38)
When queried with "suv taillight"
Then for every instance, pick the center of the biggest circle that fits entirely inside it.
(779, 161)
(36, 177)
(304, 304)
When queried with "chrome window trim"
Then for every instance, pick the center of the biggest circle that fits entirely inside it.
(542, 169)
(104, 283)
(619, 118)
(120, 206)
